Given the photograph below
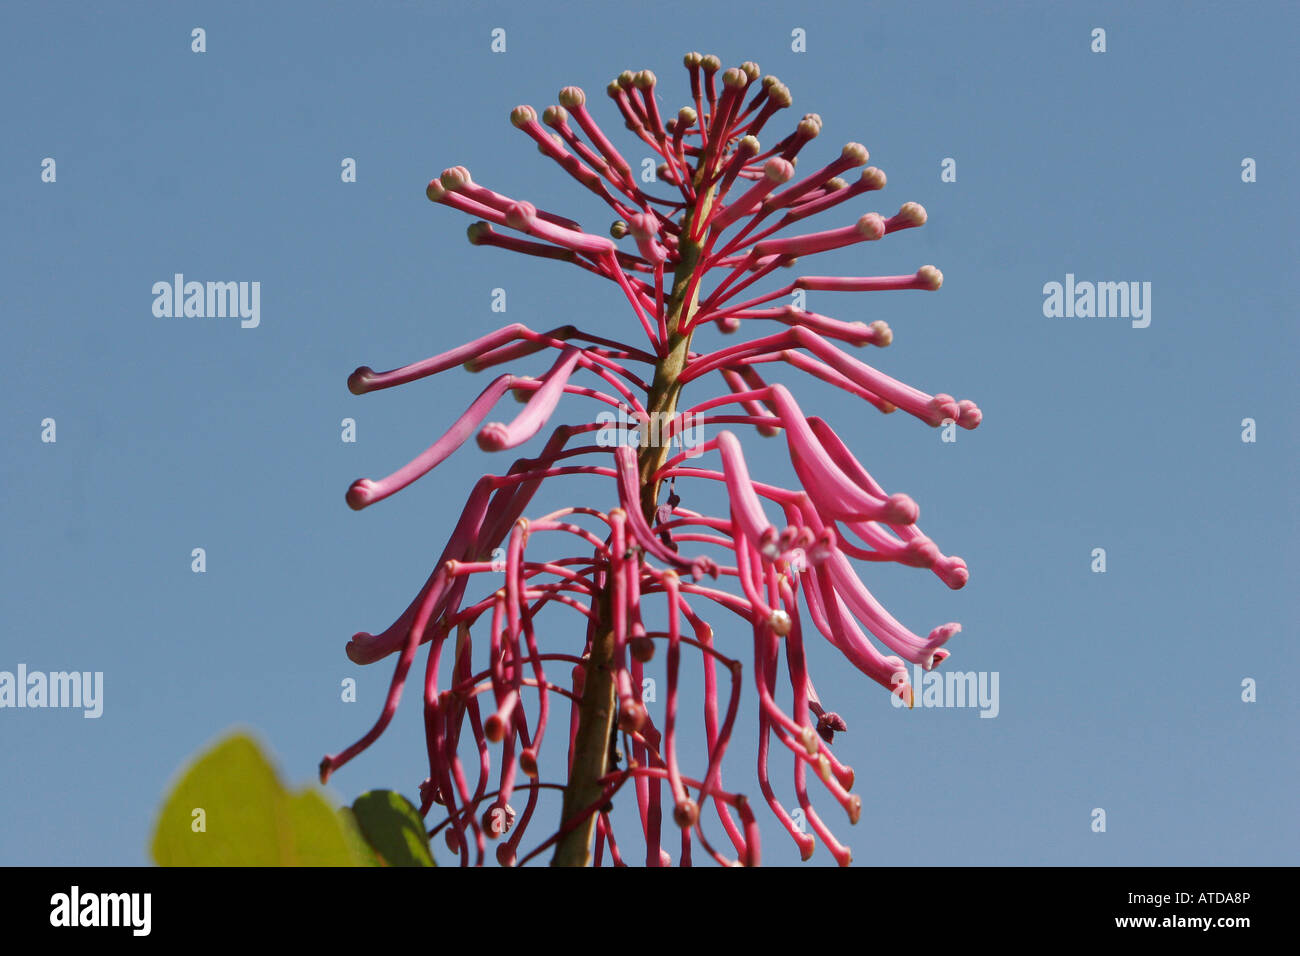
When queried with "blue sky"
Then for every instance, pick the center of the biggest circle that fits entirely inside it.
(1119, 690)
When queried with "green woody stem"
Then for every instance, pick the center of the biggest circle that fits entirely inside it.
(598, 710)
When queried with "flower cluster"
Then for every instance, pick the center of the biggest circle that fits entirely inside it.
(682, 261)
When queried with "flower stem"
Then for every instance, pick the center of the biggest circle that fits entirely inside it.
(597, 712)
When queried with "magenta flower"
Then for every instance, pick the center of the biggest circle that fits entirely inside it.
(682, 261)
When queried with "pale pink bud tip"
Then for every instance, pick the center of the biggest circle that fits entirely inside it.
(359, 382)
(943, 408)
(781, 623)
(435, 191)
(909, 214)
(572, 97)
(777, 170)
(884, 334)
(686, 813)
(687, 117)
(970, 416)
(457, 177)
(929, 277)
(873, 178)
(644, 80)
(523, 115)
(494, 436)
(855, 153)
(692, 59)
(871, 226)
(361, 493)
(736, 78)
(901, 510)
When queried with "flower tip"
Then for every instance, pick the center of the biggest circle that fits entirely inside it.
(780, 94)
(644, 80)
(361, 493)
(970, 416)
(692, 60)
(855, 153)
(929, 277)
(873, 178)
(435, 191)
(943, 408)
(954, 573)
(807, 846)
(901, 509)
(642, 648)
(735, 78)
(871, 226)
(555, 116)
(686, 813)
(711, 63)
(687, 116)
(494, 728)
(521, 116)
(572, 97)
(911, 214)
(478, 232)
(457, 177)
(326, 768)
(493, 436)
(356, 648)
(528, 762)
(506, 855)
(884, 335)
(359, 382)
(751, 70)
(854, 808)
(776, 169)
(632, 717)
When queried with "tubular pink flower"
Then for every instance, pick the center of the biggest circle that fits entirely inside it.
(637, 557)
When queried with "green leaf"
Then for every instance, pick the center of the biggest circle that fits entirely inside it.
(230, 809)
(393, 828)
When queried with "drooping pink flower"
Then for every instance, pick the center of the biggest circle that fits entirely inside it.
(685, 260)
